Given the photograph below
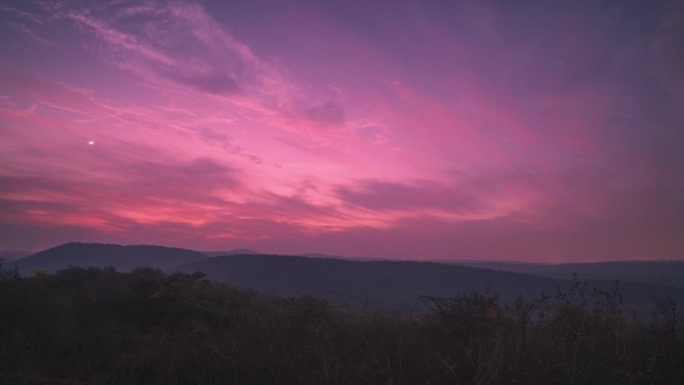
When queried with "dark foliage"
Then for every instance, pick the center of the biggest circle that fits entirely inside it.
(100, 326)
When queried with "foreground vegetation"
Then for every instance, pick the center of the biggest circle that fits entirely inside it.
(100, 326)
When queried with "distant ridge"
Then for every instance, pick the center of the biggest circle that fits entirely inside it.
(11, 254)
(123, 258)
(374, 283)
(394, 284)
(231, 252)
(320, 255)
(670, 272)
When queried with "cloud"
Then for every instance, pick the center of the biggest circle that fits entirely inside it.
(418, 195)
(667, 54)
(179, 48)
(479, 127)
(327, 113)
(177, 180)
(147, 190)
(22, 15)
(219, 84)
(371, 132)
(170, 40)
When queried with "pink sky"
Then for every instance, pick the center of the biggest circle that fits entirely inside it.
(534, 130)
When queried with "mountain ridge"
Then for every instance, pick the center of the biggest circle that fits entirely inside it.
(382, 283)
(398, 284)
(102, 255)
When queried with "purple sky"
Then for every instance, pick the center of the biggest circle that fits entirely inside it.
(543, 131)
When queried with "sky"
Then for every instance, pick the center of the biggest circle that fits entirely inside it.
(540, 131)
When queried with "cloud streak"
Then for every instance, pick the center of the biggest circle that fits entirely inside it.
(459, 130)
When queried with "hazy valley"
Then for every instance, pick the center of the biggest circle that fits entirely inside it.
(391, 285)
(92, 314)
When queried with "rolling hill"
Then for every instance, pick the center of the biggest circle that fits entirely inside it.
(373, 283)
(393, 284)
(231, 252)
(123, 258)
(656, 272)
(12, 254)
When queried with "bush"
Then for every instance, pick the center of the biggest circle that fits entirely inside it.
(100, 326)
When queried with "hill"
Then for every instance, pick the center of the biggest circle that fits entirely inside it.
(368, 283)
(12, 254)
(395, 284)
(230, 252)
(123, 258)
(655, 272)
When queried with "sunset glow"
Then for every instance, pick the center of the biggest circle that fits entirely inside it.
(540, 131)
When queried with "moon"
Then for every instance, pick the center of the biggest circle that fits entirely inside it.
(91, 142)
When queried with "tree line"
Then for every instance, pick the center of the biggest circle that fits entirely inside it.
(101, 326)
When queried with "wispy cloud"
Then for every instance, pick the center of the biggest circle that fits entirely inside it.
(355, 128)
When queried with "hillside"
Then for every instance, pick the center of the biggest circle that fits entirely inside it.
(230, 252)
(376, 284)
(123, 258)
(655, 272)
(393, 284)
(12, 254)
